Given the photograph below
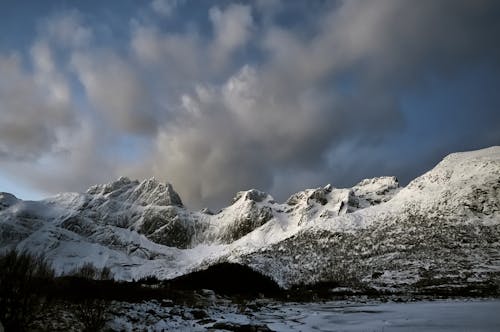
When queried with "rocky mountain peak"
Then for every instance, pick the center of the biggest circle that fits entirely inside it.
(376, 190)
(153, 192)
(104, 189)
(148, 192)
(252, 195)
(7, 200)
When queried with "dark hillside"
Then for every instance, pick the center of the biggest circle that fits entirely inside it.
(228, 279)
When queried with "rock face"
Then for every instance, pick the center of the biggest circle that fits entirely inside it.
(148, 192)
(7, 200)
(375, 191)
(442, 230)
(148, 207)
(250, 210)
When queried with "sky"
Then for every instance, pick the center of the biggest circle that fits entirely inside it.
(221, 96)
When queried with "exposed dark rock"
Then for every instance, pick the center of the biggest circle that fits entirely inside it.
(319, 195)
(7, 200)
(206, 321)
(240, 327)
(251, 195)
(199, 314)
(254, 217)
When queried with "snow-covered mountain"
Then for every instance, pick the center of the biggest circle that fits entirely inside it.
(443, 229)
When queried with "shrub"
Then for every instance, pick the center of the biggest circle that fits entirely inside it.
(91, 309)
(89, 271)
(24, 279)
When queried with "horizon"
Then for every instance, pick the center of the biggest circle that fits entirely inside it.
(33, 196)
(221, 96)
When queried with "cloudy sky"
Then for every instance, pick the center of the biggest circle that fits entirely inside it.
(220, 96)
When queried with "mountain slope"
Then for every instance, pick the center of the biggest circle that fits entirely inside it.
(442, 230)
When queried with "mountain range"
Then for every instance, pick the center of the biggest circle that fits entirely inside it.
(441, 231)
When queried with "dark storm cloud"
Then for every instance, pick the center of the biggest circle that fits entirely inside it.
(262, 101)
(314, 95)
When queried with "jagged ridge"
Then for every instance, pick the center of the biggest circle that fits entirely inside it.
(374, 232)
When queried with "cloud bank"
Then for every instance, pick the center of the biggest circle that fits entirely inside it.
(271, 95)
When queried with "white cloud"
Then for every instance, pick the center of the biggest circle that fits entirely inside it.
(232, 30)
(116, 90)
(177, 56)
(47, 77)
(30, 117)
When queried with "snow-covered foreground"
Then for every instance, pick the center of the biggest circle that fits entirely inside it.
(413, 316)
(442, 315)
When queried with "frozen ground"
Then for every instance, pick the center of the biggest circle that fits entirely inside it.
(443, 315)
(415, 316)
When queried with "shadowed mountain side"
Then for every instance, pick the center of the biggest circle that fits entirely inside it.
(229, 279)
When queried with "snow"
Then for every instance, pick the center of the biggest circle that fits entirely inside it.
(443, 315)
(415, 316)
